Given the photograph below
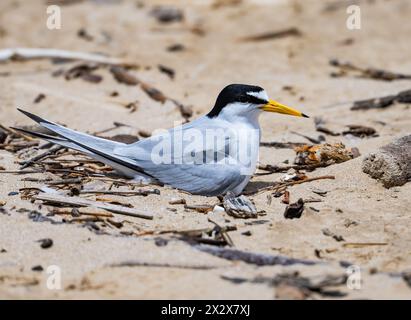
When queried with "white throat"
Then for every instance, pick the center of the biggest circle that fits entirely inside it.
(241, 113)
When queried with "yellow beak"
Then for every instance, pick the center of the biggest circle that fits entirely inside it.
(274, 106)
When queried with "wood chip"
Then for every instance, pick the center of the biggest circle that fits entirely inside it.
(271, 35)
(177, 201)
(294, 210)
(123, 76)
(202, 208)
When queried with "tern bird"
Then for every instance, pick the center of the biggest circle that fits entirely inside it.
(212, 155)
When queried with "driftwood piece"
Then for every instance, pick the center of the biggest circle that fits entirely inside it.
(370, 73)
(125, 193)
(391, 164)
(382, 102)
(375, 103)
(251, 257)
(80, 202)
(44, 53)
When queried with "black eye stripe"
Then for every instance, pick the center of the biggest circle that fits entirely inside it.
(255, 100)
(235, 93)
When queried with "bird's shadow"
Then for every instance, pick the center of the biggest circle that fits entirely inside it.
(255, 186)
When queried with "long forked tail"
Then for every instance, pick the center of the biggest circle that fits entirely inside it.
(98, 148)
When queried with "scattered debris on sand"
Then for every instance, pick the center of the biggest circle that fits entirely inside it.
(40, 97)
(294, 286)
(213, 236)
(391, 164)
(45, 243)
(201, 208)
(84, 71)
(319, 126)
(79, 202)
(123, 76)
(134, 263)
(251, 257)
(327, 232)
(294, 210)
(382, 102)
(282, 145)
(370, 73)
(12, 54)
(177, 47)
(279, 187)
(306, 215)
(167, 71)
(360, 131)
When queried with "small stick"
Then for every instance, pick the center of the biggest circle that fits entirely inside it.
(363, 244)
(116, 126)
(65, 181)
(120, 181)
(68, 160)
(140, 192)
(202, 208)
(83, 213)
(293, 31)
(259, 259)
(224, 233)
(282, 145)
(274, 169)
(161, 265)
(21, 171)
(43, 155)
(86, 219)
(31, 179)
(19, 145)
(40, 53)
(312, 200)
(80, 202)
(291, 183)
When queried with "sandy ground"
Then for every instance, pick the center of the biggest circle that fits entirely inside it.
(210, 61)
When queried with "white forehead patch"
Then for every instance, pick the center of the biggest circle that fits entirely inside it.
(260, 94)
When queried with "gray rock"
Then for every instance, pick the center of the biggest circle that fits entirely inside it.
(391, 164)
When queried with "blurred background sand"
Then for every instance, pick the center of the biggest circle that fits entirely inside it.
(214, 56)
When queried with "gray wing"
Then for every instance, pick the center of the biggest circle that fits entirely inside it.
(98, 148)
(203, 179)
(206, 177)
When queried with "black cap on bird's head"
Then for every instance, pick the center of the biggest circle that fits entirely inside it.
(251, 95)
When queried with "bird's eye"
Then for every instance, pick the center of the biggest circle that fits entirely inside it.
(243, 99)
